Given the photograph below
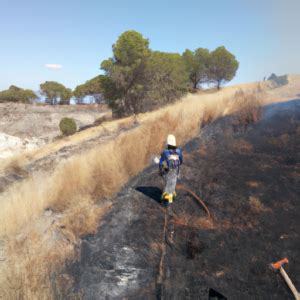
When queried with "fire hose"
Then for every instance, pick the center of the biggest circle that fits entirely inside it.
(201, 202)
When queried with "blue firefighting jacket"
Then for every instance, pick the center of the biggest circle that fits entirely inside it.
(171, 159)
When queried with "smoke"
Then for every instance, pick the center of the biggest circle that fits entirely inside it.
(286, 24)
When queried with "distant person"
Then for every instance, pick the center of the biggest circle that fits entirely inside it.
(169, 164)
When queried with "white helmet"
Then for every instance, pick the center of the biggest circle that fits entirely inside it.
(171, 140)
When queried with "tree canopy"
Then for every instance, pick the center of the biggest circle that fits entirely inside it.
(138, 79)
(218, 66)
(223, 66)
(92, 87)
(131, 49)
(16, 94)
(55, 93)
(197, 65)
(124, 84)
(167, 78)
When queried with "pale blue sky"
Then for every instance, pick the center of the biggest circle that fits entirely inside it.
(78, 34)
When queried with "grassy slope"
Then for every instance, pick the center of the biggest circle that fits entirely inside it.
(74, 186)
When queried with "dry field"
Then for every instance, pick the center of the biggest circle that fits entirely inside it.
(24, 126)
(41, 121)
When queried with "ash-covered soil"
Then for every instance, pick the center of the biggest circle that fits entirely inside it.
(249, 179)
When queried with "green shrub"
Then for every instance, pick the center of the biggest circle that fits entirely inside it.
(16, 94)
(67, 126)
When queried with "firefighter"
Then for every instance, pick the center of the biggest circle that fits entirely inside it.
(169, 164)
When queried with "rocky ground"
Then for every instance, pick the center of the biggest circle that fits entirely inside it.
(249, 179)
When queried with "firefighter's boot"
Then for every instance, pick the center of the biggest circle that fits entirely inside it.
(167, 199)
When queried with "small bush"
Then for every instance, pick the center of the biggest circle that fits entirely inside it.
(97, 122)
(67, 126)
(102, 119)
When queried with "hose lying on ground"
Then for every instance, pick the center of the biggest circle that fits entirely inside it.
(184, 188)
(160, 277)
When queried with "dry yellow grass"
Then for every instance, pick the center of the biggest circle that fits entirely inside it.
(205, 105)
(76, 184)
(250, 106)
(195, 222)
(42, 248)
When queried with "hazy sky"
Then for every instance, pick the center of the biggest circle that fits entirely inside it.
(72, 37)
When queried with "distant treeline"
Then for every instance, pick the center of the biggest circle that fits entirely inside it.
(16, 94)
(138, 79)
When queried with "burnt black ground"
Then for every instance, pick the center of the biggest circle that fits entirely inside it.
(250, 182)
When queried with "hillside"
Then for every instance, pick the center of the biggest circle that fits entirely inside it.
(63, 190)
(250, 182)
